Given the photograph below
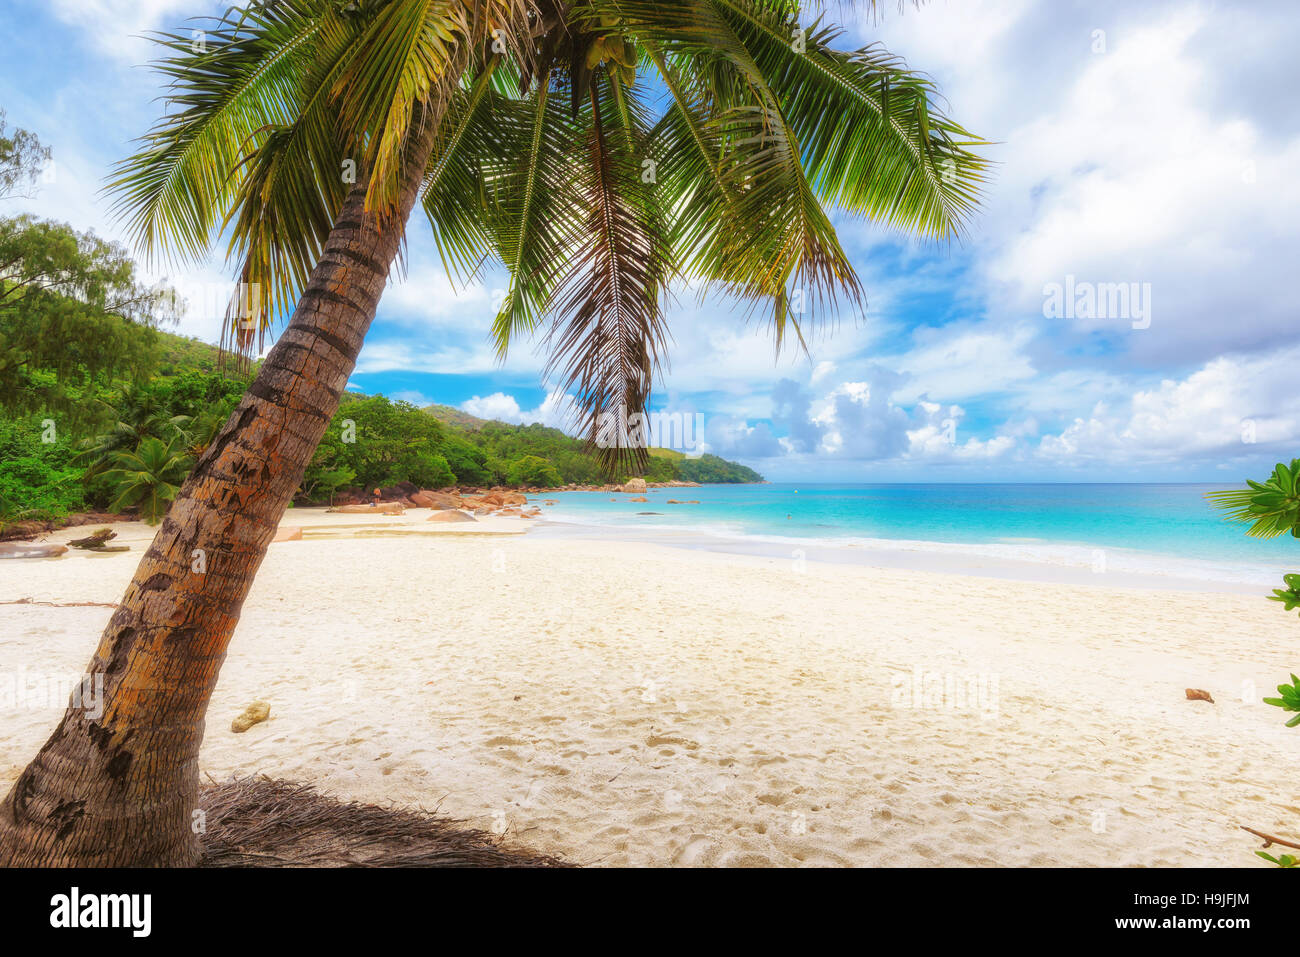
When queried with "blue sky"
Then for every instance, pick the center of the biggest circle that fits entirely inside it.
(1154, 145)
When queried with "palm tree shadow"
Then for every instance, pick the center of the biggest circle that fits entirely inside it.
(261, 822)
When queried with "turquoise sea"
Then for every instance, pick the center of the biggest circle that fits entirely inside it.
(1148, 529)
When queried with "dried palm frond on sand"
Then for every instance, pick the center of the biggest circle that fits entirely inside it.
(260, 822)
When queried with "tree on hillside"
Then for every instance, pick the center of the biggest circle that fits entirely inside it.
(70, 304)
(530, 470)
(307, 131)
(383, 443)
(38, 480)
(22, 157)
(72, 312)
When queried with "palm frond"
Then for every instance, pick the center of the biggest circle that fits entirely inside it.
(534, 207)
(745, 213)
(406, 51)
(608, 329)
(1271, 507)
(226, 90)
(470, 143)
(873, 141)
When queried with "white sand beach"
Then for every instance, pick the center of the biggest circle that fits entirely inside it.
(626, 703)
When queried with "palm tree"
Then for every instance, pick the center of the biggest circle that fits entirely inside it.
(139, 416)
(601, 149)
(199, 431)
(148, 477)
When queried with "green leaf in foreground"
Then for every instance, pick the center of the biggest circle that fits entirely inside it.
(1271, 508)
(1284, 860)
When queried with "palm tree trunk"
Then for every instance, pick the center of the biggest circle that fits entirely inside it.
(121, 788)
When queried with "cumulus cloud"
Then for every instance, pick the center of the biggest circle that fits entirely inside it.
(555, 411)
(736, 438)
(857, 422)
(1229, 408)
(1134, 177)
(1137, 143)
(958, 361)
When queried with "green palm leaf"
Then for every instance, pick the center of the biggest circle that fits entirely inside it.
(608, 330)
(148, 477)
(227, 88)
(1271, 508)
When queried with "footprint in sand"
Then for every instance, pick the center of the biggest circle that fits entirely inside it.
(694, 852)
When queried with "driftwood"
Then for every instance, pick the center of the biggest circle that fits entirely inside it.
(98, 542)
(26, 550)
(384, 508)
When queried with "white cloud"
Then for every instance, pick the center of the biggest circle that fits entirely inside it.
(116, 27)
(498, 405)
(937, 437)
(427, 296)
(956, 362)
(555, 411)
(1229, 408)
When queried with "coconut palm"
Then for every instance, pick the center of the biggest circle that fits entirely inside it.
(139, 416)
(199, 431)
(604, 151)
(148, 478)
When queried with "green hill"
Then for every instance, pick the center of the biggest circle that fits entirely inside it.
(505, 442)
(454, 416)
(180, 391)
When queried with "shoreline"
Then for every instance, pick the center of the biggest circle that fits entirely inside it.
(1043, 561)
(631, 703)
(1120, 568)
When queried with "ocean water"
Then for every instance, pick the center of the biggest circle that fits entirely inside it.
(1148, 529)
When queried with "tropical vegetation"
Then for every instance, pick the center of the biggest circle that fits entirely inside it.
(1272, 508)
(52, 466)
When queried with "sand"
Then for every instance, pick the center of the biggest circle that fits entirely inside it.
(624, 703)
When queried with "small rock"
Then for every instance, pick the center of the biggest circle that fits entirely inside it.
(428, 499)
(1196, 694)
(255, 713)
